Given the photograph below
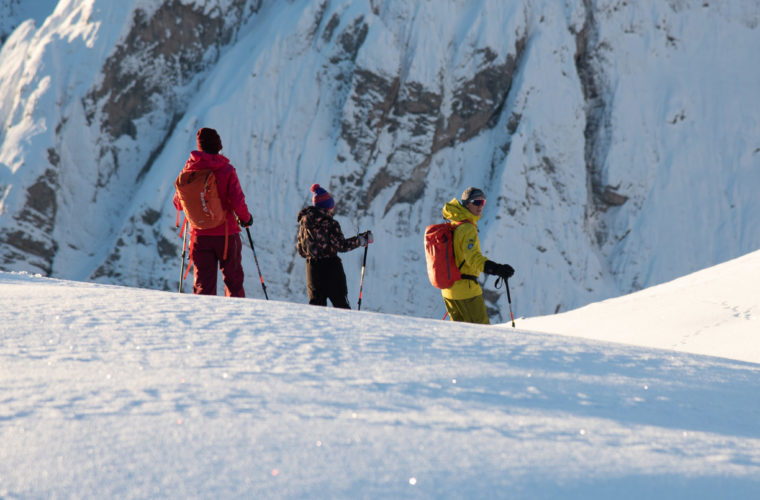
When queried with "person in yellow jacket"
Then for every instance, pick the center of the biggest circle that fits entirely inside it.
(464, 300)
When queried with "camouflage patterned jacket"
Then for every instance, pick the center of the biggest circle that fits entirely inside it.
(319, 235)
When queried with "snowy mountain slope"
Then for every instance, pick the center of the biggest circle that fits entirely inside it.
(714, 312)
(690, 173)
(85, 81)
(117, 392)
(16, 12)
(617, 141)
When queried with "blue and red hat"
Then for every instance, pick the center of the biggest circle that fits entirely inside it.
(322, 198)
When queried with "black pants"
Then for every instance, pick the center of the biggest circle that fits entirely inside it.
(325, 279)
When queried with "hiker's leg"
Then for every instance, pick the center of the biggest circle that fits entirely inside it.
(232, 267)
(205, 265)
(338, 290)
(340, 301)
(452, 307)
(317, 297)
(472, 310)
(475, 310)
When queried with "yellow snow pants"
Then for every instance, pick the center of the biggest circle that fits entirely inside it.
(472, 310)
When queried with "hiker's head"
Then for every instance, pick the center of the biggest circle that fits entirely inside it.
(322, 198)
(474, 200)
(209, 141)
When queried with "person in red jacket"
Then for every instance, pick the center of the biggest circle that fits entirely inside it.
(219, 247)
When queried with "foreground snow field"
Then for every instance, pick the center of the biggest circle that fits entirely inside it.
(113, 392)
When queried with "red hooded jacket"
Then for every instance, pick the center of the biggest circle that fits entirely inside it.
(230, 192)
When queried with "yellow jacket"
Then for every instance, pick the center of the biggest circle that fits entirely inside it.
(467, 249)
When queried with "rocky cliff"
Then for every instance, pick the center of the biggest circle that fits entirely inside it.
(615, 140)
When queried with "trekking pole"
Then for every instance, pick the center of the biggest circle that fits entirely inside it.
(509, 299)
(184, 249)
(497, 284)
(263, 286)
(361, 284)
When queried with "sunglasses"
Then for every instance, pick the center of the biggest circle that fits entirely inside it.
(477, 203)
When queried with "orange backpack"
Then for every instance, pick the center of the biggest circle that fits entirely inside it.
(442, 268)
(199, 197)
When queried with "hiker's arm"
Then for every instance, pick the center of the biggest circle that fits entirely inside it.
(467, 247)
(302, 241)
(339, 242)
(237, 198)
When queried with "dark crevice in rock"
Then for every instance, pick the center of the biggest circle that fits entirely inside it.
(166, 249)
(350, 41)
(477, 105)
(330, 28)
(150, 216)
(589, 50)
(35, 223)
(110, 268)
(353, 38)
(597, 132)
(318, 17)
(376, 96)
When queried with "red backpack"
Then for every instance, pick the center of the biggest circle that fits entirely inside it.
(442, 268)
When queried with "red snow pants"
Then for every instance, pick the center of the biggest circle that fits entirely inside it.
(208, 255)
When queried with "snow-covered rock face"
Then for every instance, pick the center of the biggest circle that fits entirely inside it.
(617, 141)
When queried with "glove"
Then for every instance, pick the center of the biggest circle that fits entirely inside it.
(247, 223)
(502, 270)
(365, 238)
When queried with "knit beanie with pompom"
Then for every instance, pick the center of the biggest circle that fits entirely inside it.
(322, 198)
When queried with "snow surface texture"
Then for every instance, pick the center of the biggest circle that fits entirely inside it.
(112, 392)
(652, 104)
(715, 312)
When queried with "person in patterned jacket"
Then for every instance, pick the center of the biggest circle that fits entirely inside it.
(319, 241)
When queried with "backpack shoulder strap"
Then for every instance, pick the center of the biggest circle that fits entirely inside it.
(455, 225)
